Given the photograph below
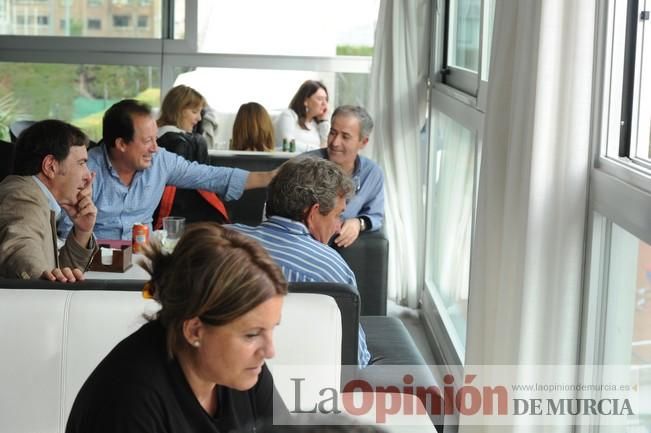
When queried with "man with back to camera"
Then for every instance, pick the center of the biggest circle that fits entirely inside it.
(306, 200)
(51, 174)
(132, 172)
(349, 133)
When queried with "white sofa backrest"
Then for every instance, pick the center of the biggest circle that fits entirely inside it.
(52, 340)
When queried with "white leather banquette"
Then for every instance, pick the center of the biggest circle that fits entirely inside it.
(51, 341)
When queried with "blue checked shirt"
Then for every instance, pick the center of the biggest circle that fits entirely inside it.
(119, 206)
(368, 200)
(303, 259)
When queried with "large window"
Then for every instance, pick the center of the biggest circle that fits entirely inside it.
(226, 89)
(452, 174)
(621, 334)
(219, 46)
(461, 47)
(617, 313)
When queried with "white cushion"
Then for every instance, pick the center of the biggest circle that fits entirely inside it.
(307, 347)
(53, 339)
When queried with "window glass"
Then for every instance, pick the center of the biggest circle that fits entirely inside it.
(450, 210)
(290, 27)
(179, 19)
(74, 18)
(626, 103)
(94, 24)
(628, 315)
(463, 34)
(143, 21)
(75, 93)
(641, 127)
(226, 89)
(487, 40)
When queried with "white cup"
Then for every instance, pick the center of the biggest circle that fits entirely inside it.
(107, 256)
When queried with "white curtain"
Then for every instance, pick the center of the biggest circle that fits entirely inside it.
(398, 104)
(453, 170)
(527, 253)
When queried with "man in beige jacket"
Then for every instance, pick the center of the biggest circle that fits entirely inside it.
(51, 175)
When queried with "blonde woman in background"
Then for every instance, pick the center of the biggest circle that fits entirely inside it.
(180, 112)
(253, 129)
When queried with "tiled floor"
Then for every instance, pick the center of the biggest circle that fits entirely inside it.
(410, 318)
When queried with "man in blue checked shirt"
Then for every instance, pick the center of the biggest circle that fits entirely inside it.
(306, 200)
(349, 133)
(131, 173)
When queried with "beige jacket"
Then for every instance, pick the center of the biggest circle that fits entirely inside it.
(28, 233)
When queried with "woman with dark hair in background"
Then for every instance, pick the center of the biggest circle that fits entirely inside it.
(306, 119)
(198, 366)
(252, 129)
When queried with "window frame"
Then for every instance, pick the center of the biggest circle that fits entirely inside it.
(615, 75)
(641, 107)
(461, 79)
(619, 186)
(452, 98)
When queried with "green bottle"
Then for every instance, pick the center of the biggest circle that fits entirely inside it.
(292, 145)
(285, 147)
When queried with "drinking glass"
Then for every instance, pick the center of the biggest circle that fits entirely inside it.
(174, 227)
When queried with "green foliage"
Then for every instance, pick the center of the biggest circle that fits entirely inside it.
(92, 124)
(7, 114)
(43, 91)
(76, 27)
(354, 50)
(351, 89)
(117, 82)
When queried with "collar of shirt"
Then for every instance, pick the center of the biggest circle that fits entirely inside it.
(287, 225)
(51, 201)
(105, 155)
(169, 128)
(109, 165)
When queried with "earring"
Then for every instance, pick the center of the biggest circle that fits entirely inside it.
(306, 109)
(196, 343)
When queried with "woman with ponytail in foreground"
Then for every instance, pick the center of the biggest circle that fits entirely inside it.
(198, 365)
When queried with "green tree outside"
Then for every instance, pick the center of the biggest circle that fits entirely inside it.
(73, 92)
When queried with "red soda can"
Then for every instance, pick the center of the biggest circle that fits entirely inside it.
(140, 237)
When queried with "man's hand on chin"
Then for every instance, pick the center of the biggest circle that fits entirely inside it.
(83, 214)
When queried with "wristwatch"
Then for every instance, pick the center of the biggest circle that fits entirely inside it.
(362, 224)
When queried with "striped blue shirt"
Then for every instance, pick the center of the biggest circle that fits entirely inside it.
(303, 259)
